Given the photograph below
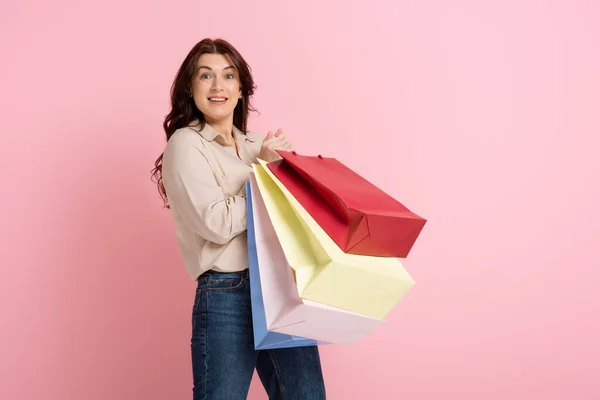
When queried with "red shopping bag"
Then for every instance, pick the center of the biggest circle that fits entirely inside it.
(361, 218)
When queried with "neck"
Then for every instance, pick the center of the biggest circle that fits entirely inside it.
(223, 128)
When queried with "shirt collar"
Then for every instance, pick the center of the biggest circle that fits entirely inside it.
(210, 134)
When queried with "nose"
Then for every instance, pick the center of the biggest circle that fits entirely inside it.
(216, 84)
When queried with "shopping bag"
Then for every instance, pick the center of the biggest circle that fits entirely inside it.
(360, 218)
(323, 272)
(263, 338)
(285, 311)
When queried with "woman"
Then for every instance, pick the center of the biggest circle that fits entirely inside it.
(201, 177)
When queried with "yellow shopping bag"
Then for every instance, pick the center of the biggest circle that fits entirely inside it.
(324, 273)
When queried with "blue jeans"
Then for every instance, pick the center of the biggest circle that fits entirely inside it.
(223, 354)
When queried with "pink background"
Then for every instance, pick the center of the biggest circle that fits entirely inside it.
(487, 113)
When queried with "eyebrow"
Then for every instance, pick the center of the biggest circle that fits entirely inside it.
(210, 69)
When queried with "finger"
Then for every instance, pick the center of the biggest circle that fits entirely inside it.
(272, 141)
(268, 138)
(279, 132)
(279, 138)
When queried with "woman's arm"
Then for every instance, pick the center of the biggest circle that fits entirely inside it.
(194, 193)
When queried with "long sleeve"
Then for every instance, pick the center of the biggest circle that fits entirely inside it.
(193, 191)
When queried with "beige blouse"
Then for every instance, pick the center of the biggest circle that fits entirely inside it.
(205, 184)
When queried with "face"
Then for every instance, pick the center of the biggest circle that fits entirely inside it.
(216, 87)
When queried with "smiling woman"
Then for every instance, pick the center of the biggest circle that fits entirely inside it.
(201, 176)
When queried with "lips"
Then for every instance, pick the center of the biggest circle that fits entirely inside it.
(217, 99)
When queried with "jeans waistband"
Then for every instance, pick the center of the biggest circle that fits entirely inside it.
(244, 274)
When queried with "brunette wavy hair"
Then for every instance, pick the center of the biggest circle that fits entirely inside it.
(184, 110)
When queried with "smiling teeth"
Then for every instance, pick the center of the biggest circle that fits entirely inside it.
(217, 99)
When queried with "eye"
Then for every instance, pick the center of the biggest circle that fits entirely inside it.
(229, 76)
(205, 76)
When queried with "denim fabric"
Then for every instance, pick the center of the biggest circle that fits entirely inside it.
(223, 354)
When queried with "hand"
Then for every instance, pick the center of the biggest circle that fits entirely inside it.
(272, 142)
